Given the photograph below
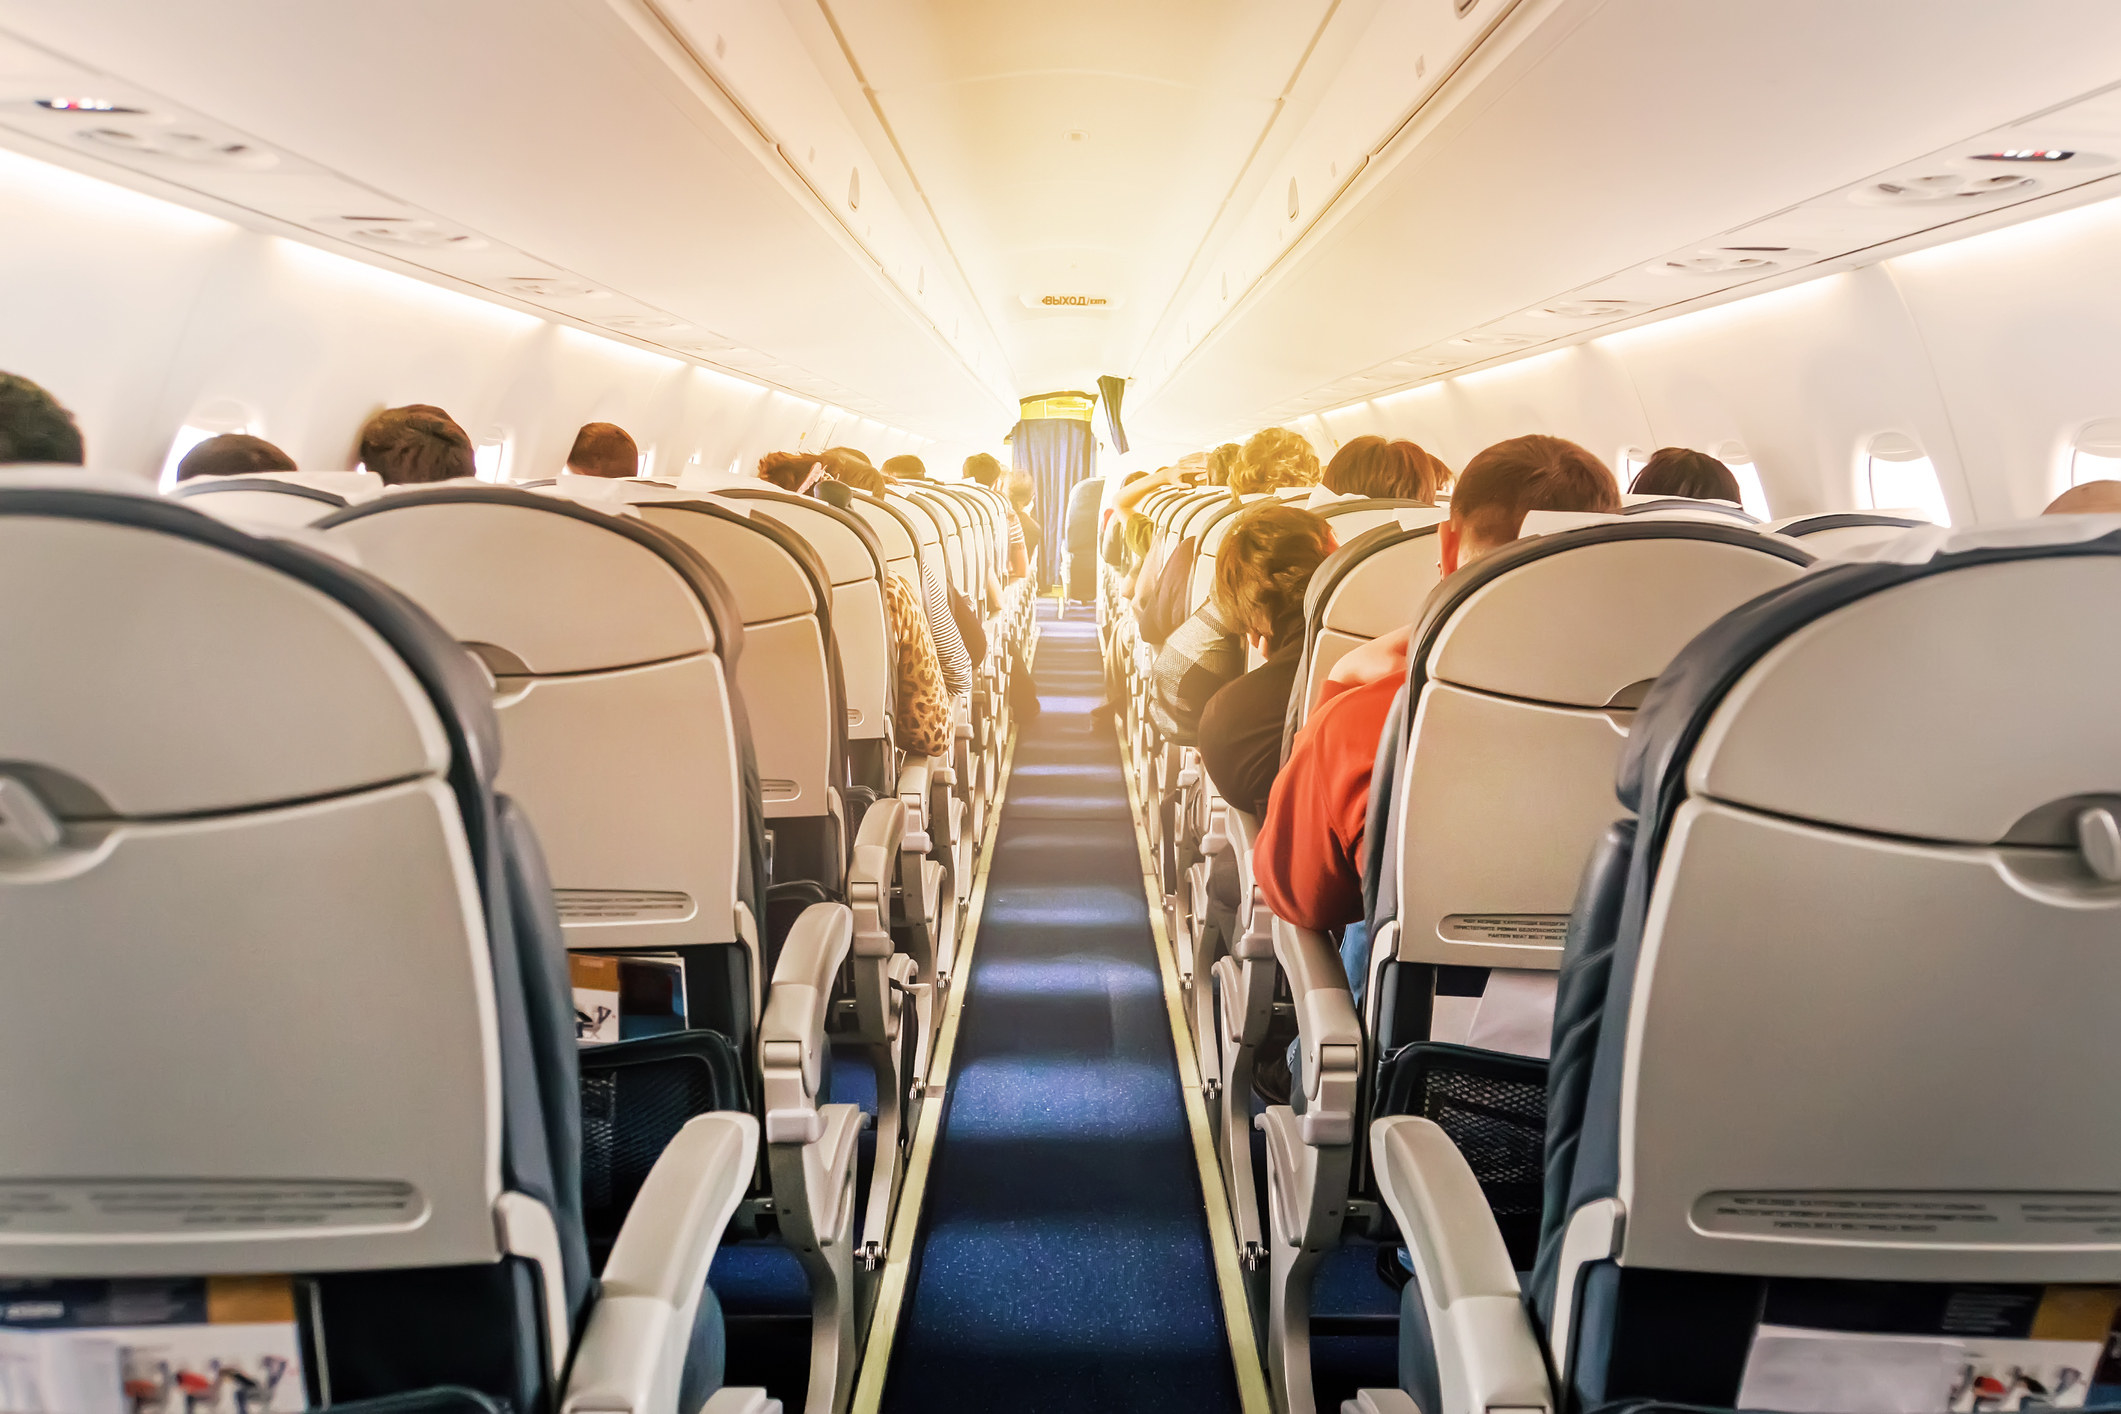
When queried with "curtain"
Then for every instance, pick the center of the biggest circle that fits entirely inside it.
(1056, 452)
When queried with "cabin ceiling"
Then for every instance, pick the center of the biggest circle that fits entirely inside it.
(911, 208)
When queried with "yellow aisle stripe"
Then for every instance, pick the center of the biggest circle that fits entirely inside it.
(1222, 1235)
(905, 1225)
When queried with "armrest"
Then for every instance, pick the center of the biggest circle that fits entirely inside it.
(913, 780)
(876, 847)
(792, 1030)
(1330, 1030)
(631, 1356)
(1486, 1352)
(1380, 1401)
(747, 1401)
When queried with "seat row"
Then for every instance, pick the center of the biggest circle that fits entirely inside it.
(369, 786)
(1423, 1089)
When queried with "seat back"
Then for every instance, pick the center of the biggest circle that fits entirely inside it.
(277, 500)
(1870, 906)
(1373, 584)
(1524, 673)
(282, 989)
(1352, 518)
(613, 648)
(1687, 508)
(1839, 532)
(1211, 529)
(788, 675)
(853, 560)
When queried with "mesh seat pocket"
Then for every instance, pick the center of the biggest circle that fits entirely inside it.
(636, 1096)
(1494, 1108)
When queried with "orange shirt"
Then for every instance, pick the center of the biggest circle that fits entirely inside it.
(1307, 857)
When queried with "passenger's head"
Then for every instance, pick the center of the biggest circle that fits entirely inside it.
(1020, 490)
(788, 470)
(1441, 476)
(33, 427)
(1371, 466)
(983, 468)
(416, 444)
(1681, 471)
(1274, 457)
(604, 449)
(861, 476)
(1222, 461)
(233, 454)
(1265, 566)
(1510, 478)
(2093, 498)
(906, 467)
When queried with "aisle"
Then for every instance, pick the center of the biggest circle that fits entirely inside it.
(1064, 1260)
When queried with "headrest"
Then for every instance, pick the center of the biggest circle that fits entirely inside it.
(920, 521)
(842, 540)
(610, 490)
(1578, 617)
(775, 575)
(280, 674)
(353, 485)
(1548, 522)
(1337, 567)
(892, 525)
(540, 585)
(1686, 508)
(254, 503)
(1964, 697)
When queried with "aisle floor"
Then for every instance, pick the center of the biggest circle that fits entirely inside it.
(1064, 1261)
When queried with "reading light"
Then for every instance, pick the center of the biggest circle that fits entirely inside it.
(2026, 154)
(83, 105)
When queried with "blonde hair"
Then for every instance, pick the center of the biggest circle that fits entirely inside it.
(1274, 457)
(1265, 565)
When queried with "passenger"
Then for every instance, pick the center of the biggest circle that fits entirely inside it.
(1274, 457)
(416, 445)
(920, 711)
(1261, 577)
(794, 472)
(861, 476)
(1086, 500)
(1681, 471)
(1373, 467)
(2093, 498)
(906, 467)
(1222, 461)
(1306, 859)
(233, 454)
(34, 429)
(1024, 518)
(983, 468)
(604, 449)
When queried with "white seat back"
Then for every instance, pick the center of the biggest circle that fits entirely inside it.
(1373, 584)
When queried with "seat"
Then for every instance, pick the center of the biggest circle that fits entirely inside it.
(1839, 532)
(277, 500)
(1687, 508)
(1864, 896)
(614, 651)
(1525, 669)
(284, 986)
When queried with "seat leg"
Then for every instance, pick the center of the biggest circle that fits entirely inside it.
(1307, 1183)
(813, 1199)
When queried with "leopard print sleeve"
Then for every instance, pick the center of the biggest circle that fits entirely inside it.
(921, 716)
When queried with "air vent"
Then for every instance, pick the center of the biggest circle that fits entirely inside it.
(1294, 206)
(1943, 186)
(637, 322)
(1496, 341)
(1730, 260)
(552, 287)
(854, 189)
(145, 137)
(399, 232)
(1592, 309)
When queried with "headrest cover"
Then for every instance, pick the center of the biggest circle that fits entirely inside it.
(1576, 617)
(557, 587)
(763, 560)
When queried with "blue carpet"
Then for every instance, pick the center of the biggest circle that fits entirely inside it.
(1064, 1261)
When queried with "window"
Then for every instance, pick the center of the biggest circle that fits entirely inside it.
(188, 437)
(645, 466)
(1751, 493)
(489, 459)
(1898, 476)
(1632, 461)
(2096, 456)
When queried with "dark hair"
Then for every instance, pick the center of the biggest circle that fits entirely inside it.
(1533, 473)
(33, 427)
(788, 470)
(1371, 466)
(416, 444)
(1222, 461)
(906, 467)
(1266, 563)
(983, 468)
(604, 449)
(1681, 471)
(233, 454)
